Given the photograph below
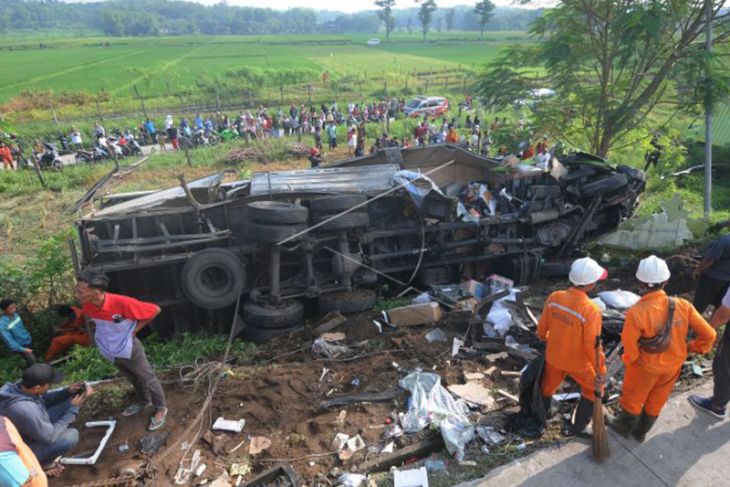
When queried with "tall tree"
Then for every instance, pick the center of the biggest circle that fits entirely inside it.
(425, 15)
(450, 14)
(484, 10)
(611, 64)
(385, 14)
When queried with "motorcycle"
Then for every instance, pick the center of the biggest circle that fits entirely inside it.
(199, 138)
(95, 154)
(48, 159)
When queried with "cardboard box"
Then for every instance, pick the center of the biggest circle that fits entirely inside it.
(416, 314)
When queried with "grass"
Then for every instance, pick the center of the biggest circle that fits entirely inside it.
(86, 364)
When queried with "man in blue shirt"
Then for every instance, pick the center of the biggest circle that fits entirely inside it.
(149, 126)
(13, 332)
(713, 274)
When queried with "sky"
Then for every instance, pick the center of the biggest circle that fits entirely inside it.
(350, 6)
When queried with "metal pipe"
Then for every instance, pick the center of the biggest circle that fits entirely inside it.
(93, 458)
(708, 112)
(275, 274)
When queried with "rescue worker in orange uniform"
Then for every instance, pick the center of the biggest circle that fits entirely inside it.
(72, 332)
(570, 325)
(653, 368)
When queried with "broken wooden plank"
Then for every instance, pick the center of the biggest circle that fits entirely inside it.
(329, 322)
(419, 450)
(348, 399)
(509, 396)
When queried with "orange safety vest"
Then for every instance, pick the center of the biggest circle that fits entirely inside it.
(648, 317)
(569, 324)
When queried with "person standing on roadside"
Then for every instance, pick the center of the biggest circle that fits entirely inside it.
(118, 319)
(14, 333)
(713, 274)
(570, 325)
(149, 126)
(656, 344)
(332, 134)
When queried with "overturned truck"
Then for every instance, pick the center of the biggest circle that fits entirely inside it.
(284, 241)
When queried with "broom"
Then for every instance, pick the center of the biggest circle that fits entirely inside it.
(600, 448)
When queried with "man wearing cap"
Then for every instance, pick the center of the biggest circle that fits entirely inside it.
(118, 319)
(570, 325)
(43, 417)
(717, 403)
(13, 332)
(655, 348)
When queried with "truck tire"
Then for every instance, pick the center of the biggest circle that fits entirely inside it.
(331, 205)
(632, 172)
(213, 278)
(348, 302)
(605, 185)
(273, 233)
(277, 212)
(343, 222)
(286, 315)
(261, 335)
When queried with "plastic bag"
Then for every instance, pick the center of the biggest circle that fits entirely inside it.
(430, 402)
(499, 315)
(456, 435)
(327, 349)
(619, 299)
(351, 479)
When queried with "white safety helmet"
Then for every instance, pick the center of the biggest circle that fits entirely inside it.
(586, 271)
(653, 270)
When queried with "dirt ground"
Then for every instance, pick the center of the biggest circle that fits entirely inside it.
(278, 394)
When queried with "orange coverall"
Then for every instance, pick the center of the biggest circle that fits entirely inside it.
(73, 332)
(570, 323)
(650, 378)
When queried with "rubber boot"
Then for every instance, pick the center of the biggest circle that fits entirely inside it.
(582, 416)
(645, 423)
(624, 423)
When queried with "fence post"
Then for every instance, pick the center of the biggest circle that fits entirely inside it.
(53, 112)
(141, 100)
(250, 98)
(98, 109)
(446, 82)
(309, 95)
(217, 100)
(465, 85)
(281, 95)
(187, 157)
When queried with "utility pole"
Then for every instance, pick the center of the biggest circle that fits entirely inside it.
(708, 113)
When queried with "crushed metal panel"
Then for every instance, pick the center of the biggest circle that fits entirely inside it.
(367, 179)
(160, 197)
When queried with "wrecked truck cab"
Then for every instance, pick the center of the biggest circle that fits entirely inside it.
(329, 236)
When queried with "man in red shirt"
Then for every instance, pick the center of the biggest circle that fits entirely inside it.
(118, 319)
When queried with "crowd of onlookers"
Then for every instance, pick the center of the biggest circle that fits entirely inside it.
(322, 125)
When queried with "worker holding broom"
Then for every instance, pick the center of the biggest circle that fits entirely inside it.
(571, 327)
(655, 348)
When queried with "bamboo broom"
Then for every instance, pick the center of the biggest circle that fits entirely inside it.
(601, 451)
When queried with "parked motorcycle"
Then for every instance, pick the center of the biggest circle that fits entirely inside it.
(48, 159)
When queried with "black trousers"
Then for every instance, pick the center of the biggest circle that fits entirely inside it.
(721, 370)
(29, 358)
(709, 291)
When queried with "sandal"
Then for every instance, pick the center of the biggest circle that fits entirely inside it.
(53, 470)
(155, 423)
(135, 408)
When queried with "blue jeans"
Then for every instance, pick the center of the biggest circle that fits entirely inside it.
(46, 453)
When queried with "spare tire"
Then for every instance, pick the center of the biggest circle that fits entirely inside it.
(277, 212)
(343, 222)
(604, 185)
(287, 314)
(348, 302)
(273, 233)
(261, 335)
(335, 204)
(213, 278)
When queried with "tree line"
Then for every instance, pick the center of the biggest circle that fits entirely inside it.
(172, 17)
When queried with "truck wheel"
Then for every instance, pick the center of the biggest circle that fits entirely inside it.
(343, 222)
(604, 185)
(348, 302)
(273, 233)
(277, 212)
(261, 335)
(632, 172)
(213, 278)
(332, 205)
(286, 315)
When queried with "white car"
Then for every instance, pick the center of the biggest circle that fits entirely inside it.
(432, 106)
(373, 42)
